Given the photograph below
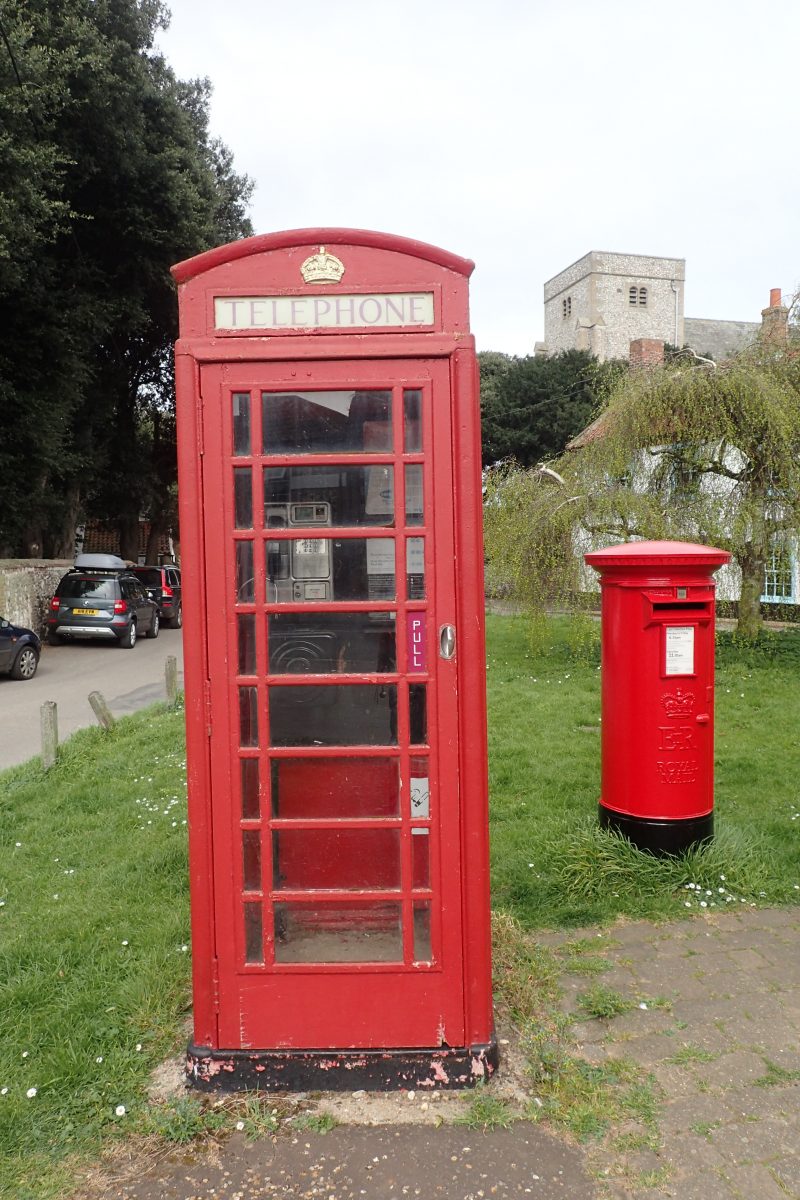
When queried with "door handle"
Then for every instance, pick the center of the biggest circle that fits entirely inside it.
(703, 718)
(447, 642)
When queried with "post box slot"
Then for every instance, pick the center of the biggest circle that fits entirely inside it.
(682, 606)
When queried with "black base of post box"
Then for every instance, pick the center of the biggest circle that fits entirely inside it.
(659, 837)
(340, 1070)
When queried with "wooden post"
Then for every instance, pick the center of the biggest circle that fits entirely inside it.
(171, 676)
(49, 726)
(101, 710)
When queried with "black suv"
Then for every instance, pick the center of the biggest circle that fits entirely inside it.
(101, 598)
(164, 586)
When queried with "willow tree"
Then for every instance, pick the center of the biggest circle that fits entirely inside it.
(689, 451)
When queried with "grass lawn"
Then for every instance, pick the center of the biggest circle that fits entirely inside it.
(93, 942)
(553, 866)
(94, 930)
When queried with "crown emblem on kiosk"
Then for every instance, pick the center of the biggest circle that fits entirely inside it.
(678, 703)
(322, 268)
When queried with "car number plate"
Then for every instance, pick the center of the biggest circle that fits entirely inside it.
(86, 612)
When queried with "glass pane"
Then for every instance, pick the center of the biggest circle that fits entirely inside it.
(245, 582)
(421, 858)
(420, 789)
(248, 716)
(418, 713)
(414, 504)
(324, 569)
(412, 421)
(339, 858)
(338, 933)
(309, 497)
(241, 422)
(320, 788)
(75, 588)
(149, 576)
(251, 860)
(422, 932)
(415, 568)
(251, 805)
(331, 643)
(246, 623)
(243, 498)
(326, 422)
(352, 714)
(253, 934)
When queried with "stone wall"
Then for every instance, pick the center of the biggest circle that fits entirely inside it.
(568, 332)
(567, 278)
(26, 587)
(625, 322)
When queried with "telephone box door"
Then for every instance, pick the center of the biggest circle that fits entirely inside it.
(328, 496)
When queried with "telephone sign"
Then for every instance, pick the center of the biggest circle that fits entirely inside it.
(329, 479)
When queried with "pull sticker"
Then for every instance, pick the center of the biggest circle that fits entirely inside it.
(679, 650)
(415, 631)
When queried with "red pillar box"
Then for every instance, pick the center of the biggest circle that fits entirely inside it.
(657, 785)
(330, 493)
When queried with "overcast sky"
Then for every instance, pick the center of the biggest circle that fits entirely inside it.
(520, 135)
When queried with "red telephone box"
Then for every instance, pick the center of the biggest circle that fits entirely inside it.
(658, 691)
(329, 470)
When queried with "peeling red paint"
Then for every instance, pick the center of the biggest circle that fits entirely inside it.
(306, 1070)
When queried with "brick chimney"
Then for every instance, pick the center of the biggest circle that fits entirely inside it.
(646, 352)
(775, 319)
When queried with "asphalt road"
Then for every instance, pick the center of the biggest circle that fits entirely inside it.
(128, 679)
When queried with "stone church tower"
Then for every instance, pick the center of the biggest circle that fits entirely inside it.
(605, 301)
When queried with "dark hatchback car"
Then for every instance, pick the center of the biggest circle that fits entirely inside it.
(101, 598)
(19, 650)
(164, 586)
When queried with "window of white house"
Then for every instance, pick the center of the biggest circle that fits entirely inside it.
(566, 307)
(779, 576)
(637, 296)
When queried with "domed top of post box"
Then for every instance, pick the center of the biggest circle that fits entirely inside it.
(651, 556)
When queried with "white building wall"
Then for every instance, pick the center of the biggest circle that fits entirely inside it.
(728, 577)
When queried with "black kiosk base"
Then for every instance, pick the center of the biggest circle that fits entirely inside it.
(340, 1070)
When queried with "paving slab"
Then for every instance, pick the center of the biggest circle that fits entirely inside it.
(787, 1172)
(357, 1163)
(757, 1182)
(728, 1127)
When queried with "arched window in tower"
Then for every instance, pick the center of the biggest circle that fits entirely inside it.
(566, 308)
(643, 297)
(633, 295)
